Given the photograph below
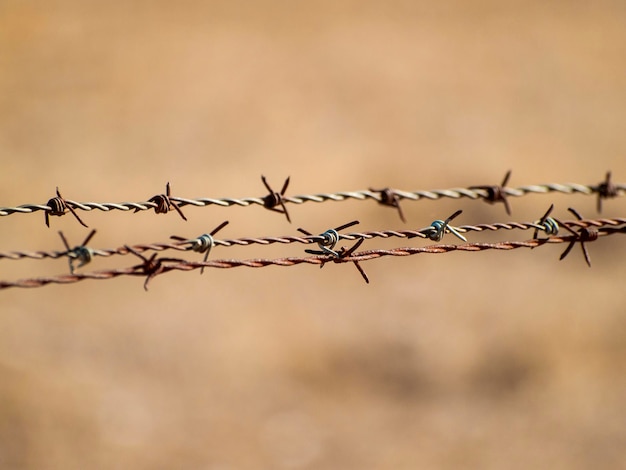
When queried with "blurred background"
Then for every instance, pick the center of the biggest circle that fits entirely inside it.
(468, 360)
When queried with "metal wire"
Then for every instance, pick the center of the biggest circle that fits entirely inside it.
(617, 189)
(173, 264)
(581, 231)
(424, 233)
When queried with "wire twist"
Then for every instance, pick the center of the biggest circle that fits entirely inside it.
(387, 196)
(581, 230)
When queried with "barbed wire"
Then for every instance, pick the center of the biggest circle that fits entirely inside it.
(429, 232)
(581, 230)
(163, 203)
(152, 267)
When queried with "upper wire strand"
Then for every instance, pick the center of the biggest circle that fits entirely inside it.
(472, 192)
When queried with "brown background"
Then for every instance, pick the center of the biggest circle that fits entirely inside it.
(487, 360)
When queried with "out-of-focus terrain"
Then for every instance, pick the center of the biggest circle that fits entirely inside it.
(468, 360)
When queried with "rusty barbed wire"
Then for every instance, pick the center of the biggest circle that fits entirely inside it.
(199, 244)
(585, 234)
(606, 190)
(58, 206)
(388, 196)
(152, 267)
(497, 193)
(274, 198)
(164, 203)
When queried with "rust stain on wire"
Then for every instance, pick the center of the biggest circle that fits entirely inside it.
(389, 197)
(584, 234)
(164, 204)
(497, 193)
(274, 198)
(58, 206)
(606, 190)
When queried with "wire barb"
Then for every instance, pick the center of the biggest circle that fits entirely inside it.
(150, 267)
(164, 203)
(389, 197)
(57, 206)
(549, 225)
(81, 252)
(329, 239)
(497, 193)
(204, 243)
(439, 228)
(274, 199)
(584, 234)
(606, 190)
(346, 253)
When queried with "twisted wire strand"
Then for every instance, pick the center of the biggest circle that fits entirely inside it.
(173, 264)
(361, 195)
(423, 233)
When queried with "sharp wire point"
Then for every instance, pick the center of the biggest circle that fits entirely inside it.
(274, 198)
(438, 228)
(578, 231)
(587, 233)
(497, 193)
(202, 244)
(57, 206)
(81, 252)
(389, 197)
(164, 204)
(606, 190)
(506, 178)
(549, 224)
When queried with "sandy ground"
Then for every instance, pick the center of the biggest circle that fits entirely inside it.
(468, 360)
